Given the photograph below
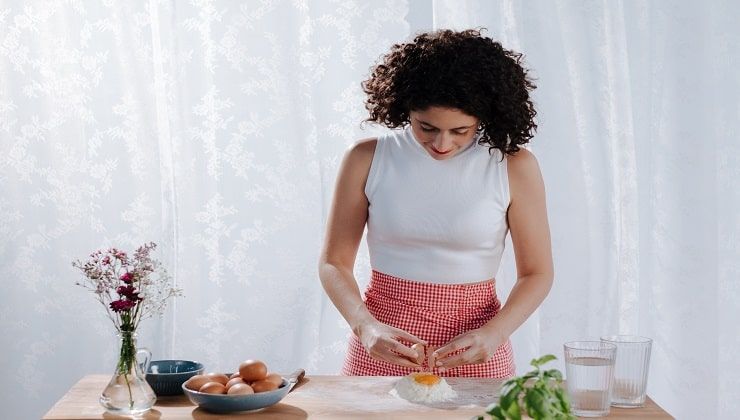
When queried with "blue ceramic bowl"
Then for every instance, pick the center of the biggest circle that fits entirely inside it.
(167, 376)
(224, 403)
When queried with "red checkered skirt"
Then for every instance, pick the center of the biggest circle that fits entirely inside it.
(436, 313)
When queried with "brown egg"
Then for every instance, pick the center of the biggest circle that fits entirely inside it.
(240, 389)
(234, 375)
(274, 378)
(234, 381)
(213, 388)
(263, 386)
(252, 370)
(218, 377)
(197, 381)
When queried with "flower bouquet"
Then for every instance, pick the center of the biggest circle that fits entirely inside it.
(130, 288)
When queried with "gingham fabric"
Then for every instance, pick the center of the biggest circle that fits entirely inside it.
(436, 313)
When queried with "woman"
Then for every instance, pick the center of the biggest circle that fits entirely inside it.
(439, 197)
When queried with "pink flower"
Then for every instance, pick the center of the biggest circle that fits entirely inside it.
(106, 260)
(129, 292)
(127, 278)
(122, 305)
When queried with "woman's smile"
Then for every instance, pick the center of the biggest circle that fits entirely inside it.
(439, 151)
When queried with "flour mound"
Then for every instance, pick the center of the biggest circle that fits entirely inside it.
(423, 388)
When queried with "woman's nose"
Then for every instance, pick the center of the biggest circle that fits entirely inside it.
(443, 141)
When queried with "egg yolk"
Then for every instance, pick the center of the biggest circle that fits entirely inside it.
(427, 379)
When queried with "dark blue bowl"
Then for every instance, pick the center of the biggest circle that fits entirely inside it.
(167, 376)
(223, 403)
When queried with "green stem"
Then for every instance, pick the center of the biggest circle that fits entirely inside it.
(126, 361)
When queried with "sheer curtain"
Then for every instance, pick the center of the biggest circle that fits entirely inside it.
(639, 105)
(215, 129)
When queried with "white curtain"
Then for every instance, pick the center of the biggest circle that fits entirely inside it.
(639, 103)
(215, 128)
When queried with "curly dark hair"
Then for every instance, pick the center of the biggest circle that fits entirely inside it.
(462, 70)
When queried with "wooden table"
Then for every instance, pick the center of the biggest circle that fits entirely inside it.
(322, 397)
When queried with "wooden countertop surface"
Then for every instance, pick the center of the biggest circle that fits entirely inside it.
(322, 397)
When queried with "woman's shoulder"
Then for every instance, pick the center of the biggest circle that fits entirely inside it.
(359, 156)
(362, 150)
(522, 160)
(365, 146)
(523, 170)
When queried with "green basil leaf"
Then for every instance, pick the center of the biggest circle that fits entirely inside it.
(554, 373)
(506, 388)
(511, 385)
(542, 360)
(513, 412)
(497, 413)
(563, 399)
(536, 404)
(529, 375)
(510, 398)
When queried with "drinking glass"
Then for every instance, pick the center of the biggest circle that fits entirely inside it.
(589, 368)
(629, 386)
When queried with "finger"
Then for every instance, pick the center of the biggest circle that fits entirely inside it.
(457, 343)
(431, 356)
(399, 333)
(421, 354)
(465, 358)
(396, 360)
(402, 350)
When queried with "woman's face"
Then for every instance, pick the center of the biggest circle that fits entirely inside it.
(443, 132)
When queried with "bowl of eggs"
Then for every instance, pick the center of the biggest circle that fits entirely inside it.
(251, 388)
(167, 376)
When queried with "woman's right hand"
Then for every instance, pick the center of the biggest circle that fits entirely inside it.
(381, 341)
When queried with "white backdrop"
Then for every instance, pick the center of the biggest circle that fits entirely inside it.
(215, 128)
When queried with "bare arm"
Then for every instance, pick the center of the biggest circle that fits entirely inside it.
(346, 223)
(530, 235)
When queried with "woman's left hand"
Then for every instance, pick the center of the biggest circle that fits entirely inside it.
(478, 346)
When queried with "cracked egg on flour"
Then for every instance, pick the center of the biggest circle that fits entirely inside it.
(424, 387)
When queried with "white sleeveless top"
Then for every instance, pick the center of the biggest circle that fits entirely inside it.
(436, 221)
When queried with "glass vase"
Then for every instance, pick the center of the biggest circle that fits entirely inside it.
(128, 392)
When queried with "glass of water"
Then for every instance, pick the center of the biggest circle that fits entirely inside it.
(589, 369)
(630, 370)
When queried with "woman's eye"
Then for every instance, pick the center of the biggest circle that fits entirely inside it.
(430, 130)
